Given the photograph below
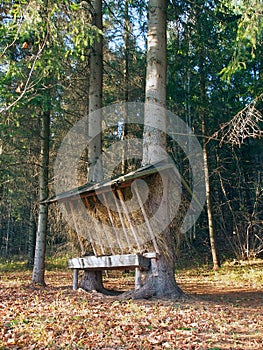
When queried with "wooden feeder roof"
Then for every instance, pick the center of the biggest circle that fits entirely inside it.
(106, 185)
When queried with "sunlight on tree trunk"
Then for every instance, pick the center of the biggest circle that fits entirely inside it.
(95, 172)
(31, 232)
(39, 261)
(209, 210)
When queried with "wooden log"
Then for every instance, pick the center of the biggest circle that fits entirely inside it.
(150, 255)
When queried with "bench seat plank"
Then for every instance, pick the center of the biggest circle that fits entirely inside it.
(111, 262)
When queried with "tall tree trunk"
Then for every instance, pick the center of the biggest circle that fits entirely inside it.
(209, 207)
(92, 280)
(205, 154)
(40, 251)
(160, 280)
(31, 233)
(95, 172)
(155, 91)
(126, 76)
(8, 229)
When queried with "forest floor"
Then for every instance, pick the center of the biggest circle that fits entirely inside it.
(224, 311)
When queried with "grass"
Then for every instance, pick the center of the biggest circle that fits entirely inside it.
(13, 265)
(236, 274)
(246, 273)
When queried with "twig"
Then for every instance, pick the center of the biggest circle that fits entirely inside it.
(29, 76)
(245, 124)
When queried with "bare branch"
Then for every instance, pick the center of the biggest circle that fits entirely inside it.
(245, 124)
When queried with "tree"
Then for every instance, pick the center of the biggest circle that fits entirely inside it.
(38, 275)
(92, 280)
(27, 63)
(43, 40)
(204, 122)
(201, 40)
(248, 34)
(160, 281)
(124, 64)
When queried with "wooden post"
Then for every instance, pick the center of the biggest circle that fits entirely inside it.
(137, 278)
(88, 206)
(146, 219)
(112, 223)
(75, 279)
(122, 222)
(69, 208)
(122, 200)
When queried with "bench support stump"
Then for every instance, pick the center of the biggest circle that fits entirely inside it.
(138, 281)
(75, 279)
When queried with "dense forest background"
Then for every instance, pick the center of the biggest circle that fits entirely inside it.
(214, 83)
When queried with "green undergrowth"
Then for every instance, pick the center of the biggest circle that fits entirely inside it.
(236, 274)
(13, 265)
(16, 264)
(232, 273)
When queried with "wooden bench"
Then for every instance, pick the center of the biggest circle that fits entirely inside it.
(137, 262)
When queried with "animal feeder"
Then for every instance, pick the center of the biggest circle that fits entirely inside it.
(116, 216)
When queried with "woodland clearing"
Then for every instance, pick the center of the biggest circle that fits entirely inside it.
(224, 311)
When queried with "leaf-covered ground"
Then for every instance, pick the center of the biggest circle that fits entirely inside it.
(225, 312)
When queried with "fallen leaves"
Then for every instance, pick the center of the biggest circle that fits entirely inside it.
(58, 318)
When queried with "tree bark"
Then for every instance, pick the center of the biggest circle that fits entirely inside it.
(40, 251)
(7, 238)
(92, 281)
(159, 282)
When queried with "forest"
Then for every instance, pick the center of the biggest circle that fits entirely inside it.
(209, 71)
(199, 63)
